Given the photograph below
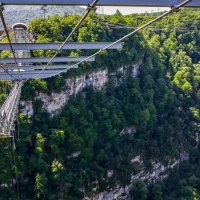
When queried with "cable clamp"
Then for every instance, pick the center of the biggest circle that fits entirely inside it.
(91, 7)
(2, 7)
(174, 8)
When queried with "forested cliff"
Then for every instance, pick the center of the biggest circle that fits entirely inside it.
(126, 116)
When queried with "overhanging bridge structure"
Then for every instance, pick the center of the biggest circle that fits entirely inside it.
(144, 3)
(20, 68)
(26, 63)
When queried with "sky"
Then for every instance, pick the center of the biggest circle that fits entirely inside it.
(128, 10)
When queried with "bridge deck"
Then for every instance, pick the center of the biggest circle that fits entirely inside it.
(8, 111)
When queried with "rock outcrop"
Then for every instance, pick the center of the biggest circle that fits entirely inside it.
(157, 173)
(54, 102)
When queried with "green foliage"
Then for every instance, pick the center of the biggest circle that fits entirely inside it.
(5, 54)
(183, 183)
(65, 156)
(32, 87)
(5, 88)
(40, 182)
(139, 191)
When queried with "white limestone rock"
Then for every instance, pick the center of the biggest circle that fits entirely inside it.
(26, 107)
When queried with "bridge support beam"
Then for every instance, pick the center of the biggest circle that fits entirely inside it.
(55, 46)
(145, 3)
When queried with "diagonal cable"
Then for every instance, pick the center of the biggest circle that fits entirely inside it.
(89, 9)
(151, 28)
(9, 40)
(173, 8)
(2, 65)
(6, 70)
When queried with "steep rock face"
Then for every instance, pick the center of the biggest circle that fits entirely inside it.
(158, 173)
(54, 102)
(26, 107)
(128, 131)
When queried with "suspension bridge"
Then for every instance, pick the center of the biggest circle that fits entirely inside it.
(22, 67)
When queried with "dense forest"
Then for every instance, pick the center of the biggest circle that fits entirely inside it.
(161, 104)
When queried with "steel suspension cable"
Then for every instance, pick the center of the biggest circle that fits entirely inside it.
(174, 8)
(16, 175)
(9, 40)
(3, 66)
(89, 9)
(123, 26)
(106, 23)
(151, 28)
